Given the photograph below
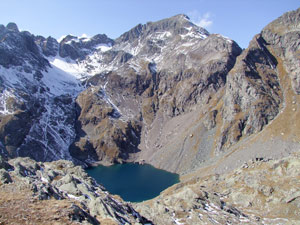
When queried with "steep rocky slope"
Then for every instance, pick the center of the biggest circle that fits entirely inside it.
(254, 114)
(257, 119)
(174, 66)
(36, 100)
(259, 85)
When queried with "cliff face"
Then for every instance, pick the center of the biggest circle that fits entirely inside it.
(254, 114)
(255, 118)
(258, 87)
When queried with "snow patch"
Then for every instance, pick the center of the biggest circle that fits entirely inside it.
(176, 220)
(43, 179)
(4, 96)
(117, 112)
(104, 47)
(73, 196)
(161, 35)
(62, 80)
(15, 76)
(193, 34)
(226, 38)
(188, 44)
(153, 68)
(68, 66)
(61, 38)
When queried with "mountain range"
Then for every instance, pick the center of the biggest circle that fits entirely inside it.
(167, 93)
(98, 99)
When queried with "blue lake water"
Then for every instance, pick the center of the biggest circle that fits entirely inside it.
(133, 182)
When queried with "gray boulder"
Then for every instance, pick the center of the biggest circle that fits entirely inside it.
(4, 177)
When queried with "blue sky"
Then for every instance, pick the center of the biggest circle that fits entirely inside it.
(239, 20)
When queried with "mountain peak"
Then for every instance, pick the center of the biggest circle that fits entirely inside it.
(181, 17)
(178, 24)
(12, 26)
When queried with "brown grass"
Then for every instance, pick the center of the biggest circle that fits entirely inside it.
(17, 206)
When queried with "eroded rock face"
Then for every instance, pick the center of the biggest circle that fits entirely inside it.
(48, 45)
(101, 135)
(283, 35)
(256, 88)
(37, 110)
(252, 94)
(16, 48)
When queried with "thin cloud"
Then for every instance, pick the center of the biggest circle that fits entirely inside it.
(201, 20)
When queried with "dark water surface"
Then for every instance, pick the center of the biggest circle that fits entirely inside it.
(133, 182)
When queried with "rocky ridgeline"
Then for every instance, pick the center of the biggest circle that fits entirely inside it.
(59, 183)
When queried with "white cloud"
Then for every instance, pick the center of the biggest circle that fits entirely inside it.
(201, 20)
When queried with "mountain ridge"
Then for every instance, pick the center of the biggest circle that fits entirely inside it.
(85, 57)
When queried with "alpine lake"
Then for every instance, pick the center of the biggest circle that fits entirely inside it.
(133, 182)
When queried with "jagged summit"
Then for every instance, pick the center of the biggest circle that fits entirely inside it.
(182, 16)
(12, 26)
(79, 48)
(179, 24)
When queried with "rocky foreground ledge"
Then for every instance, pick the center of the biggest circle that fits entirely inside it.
(57, 193)
(262, 191)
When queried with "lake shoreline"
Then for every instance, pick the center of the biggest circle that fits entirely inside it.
(133, 182)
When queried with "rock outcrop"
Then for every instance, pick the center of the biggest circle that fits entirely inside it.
(58, 192)
(262, 191)
(79, 48)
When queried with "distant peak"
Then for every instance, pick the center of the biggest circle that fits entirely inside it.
(13, 27)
